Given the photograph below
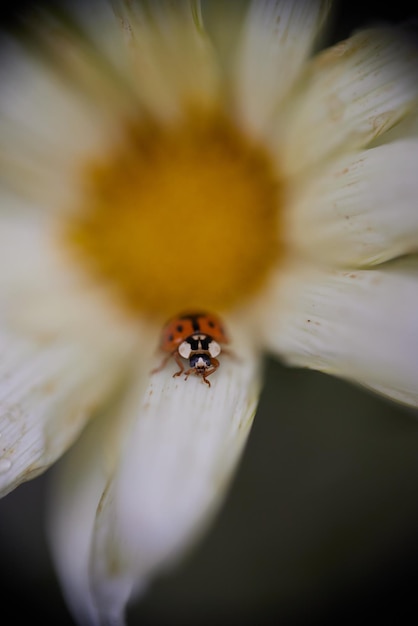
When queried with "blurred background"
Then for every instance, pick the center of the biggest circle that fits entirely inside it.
(321, 523)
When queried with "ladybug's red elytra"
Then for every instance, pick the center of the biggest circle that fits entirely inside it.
(196, 337)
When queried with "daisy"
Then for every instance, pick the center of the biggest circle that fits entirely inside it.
(161, 157)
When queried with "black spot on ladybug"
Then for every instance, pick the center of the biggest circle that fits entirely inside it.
(195, 322)
(179, 328)
(170, 337)
(211, 324)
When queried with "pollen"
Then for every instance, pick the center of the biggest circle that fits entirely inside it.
(179, 217)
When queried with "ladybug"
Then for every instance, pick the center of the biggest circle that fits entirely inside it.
(196, 337)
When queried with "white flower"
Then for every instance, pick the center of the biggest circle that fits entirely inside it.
(164, 156)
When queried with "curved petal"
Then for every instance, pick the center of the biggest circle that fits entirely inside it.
(361, 325)
(354, 92)
(63, 351)
(362, 210)
(47, 127)
(171, 60)
(75, 491)
(41, 287)
(180, 442)
(61, 106)
(224, 22)
(277, 38)
(407, 128)
(48, 390)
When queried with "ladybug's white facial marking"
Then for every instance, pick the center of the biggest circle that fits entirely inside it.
(214, 348)
(184, 349)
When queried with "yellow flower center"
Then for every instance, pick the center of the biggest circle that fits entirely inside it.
(180, 217)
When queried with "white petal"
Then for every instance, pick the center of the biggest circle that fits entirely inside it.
(354, 92)
(407, 128)
(224, 22)
(277, 38)
(48, 390)
(42, 290)
(361, 210)
(361, 325)
(181, 442)
(69, 102)
(63, 350)
(172, 63)
(76, 488)
(47, 129)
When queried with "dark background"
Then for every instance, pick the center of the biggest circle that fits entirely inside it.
(321, 523)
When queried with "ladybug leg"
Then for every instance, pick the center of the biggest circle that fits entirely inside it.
(179, 363)
(215, 365)
(193, 371)
(165, 361)
(162, 364)
(188, 372)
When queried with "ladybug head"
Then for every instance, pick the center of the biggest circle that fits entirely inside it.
(200, 362)
(199, 349)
